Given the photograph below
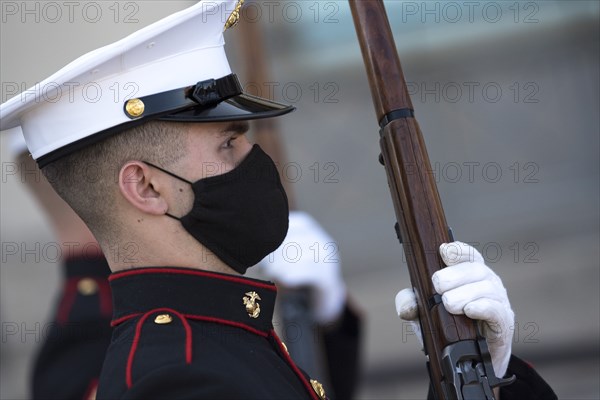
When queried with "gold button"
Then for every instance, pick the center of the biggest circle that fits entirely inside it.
(285, 348)
(87, 286)
(318, 388)
(163, 319)
(134, 108)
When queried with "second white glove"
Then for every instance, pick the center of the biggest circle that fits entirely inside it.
(309, 257)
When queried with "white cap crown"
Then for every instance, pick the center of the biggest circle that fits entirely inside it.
(87, 96)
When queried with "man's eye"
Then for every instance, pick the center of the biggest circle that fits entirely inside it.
(228, 143)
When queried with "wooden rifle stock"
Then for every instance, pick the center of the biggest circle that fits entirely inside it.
(458, 360)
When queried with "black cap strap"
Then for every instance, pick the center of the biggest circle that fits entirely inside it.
(206, 93)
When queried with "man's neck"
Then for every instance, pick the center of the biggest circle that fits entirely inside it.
(126, 255)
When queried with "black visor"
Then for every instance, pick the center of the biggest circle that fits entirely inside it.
(240, 107)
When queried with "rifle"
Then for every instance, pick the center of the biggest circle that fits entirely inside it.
(458, 358)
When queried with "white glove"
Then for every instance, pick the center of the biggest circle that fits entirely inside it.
(309, 257)
(406, 307)
(469, 287)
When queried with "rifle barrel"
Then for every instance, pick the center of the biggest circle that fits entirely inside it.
(421, 219)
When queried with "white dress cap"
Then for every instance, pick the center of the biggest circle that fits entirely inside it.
(174, 69)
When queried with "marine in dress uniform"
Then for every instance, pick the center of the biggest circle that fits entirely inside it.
(182, 327)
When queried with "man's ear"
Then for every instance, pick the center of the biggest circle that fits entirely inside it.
(139, 186)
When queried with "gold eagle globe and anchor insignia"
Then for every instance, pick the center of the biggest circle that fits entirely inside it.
(234, 17)
(252, 307)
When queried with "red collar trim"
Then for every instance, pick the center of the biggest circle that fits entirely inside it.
(183, 271)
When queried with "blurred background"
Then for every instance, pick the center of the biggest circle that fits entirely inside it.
(507, 96)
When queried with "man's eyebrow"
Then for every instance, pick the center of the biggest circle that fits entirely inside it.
(239, 127)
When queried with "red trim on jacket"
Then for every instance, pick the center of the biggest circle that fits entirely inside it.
(67, 301)
(118, 321)
(70, 294)
(90, 392)
(136, 340)
(296, 370)
(199, 318)
(227, 322)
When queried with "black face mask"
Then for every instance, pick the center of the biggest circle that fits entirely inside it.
(242, 215)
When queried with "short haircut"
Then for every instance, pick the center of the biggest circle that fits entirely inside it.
(88, 178)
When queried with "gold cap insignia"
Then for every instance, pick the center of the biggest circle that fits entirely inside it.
(234, 17)
(134, 108)
(318, 388)
(252, 307)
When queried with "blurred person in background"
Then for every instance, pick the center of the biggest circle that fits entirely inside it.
(68, 363)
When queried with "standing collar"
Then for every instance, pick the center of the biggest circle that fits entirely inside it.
(86, 266)
(196, 294)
